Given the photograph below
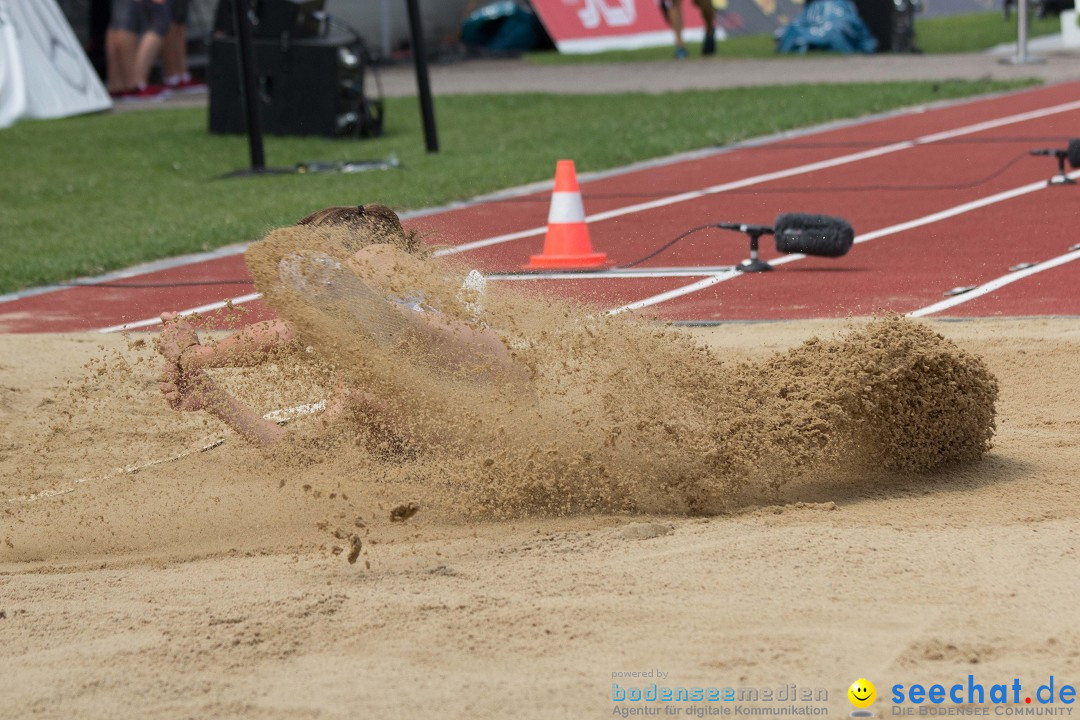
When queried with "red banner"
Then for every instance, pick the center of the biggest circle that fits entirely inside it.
(584, 26)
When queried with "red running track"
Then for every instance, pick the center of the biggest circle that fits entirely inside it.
(876, 174)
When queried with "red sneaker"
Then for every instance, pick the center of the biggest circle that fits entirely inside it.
(186, 86)
(149, 93)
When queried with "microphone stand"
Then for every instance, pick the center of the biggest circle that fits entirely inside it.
(754, 232)
(1061, 178)
(754, 263)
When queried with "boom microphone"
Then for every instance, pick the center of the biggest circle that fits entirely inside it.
(1070, 153)
(748, 229)
(819, 235)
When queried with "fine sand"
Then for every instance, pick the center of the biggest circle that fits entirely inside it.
(218, 583)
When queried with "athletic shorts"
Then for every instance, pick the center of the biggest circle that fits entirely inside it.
(179, 12)
(126, 15)
(159, 15)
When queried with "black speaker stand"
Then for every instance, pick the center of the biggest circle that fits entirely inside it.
(249, 99)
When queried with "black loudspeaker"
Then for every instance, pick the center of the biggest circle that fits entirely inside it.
(892, 22)
(305, 87)
(297, 19)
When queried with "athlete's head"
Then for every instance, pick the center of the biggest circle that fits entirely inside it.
(364, 225)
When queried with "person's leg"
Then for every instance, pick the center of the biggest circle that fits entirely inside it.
(145, 55)
(174, 49)
(120, 60)
(708, 17)
(672, 10)
(174, 55)
(120, 42)
(159, 18)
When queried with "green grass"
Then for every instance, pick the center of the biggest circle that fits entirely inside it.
(974, 32)
(85, 195)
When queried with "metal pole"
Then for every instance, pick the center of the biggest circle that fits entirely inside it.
(384, 29)
(249, 94)
(1022, 33)
(427, 110)
(1021, 57)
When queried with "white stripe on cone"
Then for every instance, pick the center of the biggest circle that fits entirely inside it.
(566, 207)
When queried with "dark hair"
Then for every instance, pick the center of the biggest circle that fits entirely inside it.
(371, 224)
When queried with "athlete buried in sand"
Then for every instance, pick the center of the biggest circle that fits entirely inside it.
(375, 249)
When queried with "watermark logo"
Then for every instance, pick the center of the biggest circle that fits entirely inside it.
(975, 698)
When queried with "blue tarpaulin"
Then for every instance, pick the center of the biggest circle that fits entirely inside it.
(504, 26)
(827, 25)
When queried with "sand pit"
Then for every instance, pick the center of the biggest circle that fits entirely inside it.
(218, 584)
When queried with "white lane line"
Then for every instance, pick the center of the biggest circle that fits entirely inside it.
(994, 284)
(677, 292)
(866, 237)
(778, 175)
(694, 287)
(149, 322)
(619, 274)
(999, 122)
(957, 210)
(491, 241)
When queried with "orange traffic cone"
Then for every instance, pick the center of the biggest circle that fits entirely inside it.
(566, 244)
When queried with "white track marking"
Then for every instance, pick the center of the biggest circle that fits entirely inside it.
(520, 234)
(694, 287)
(957, 210)
(779, 174)
(677, 292)
(1007, 120)
(149, 322)
(866, 237)
(617, 273)
(994, 284)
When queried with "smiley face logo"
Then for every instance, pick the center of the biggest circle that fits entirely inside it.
(862, 693)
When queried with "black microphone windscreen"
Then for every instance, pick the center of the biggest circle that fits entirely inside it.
(1074, 153)
(820, 235)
